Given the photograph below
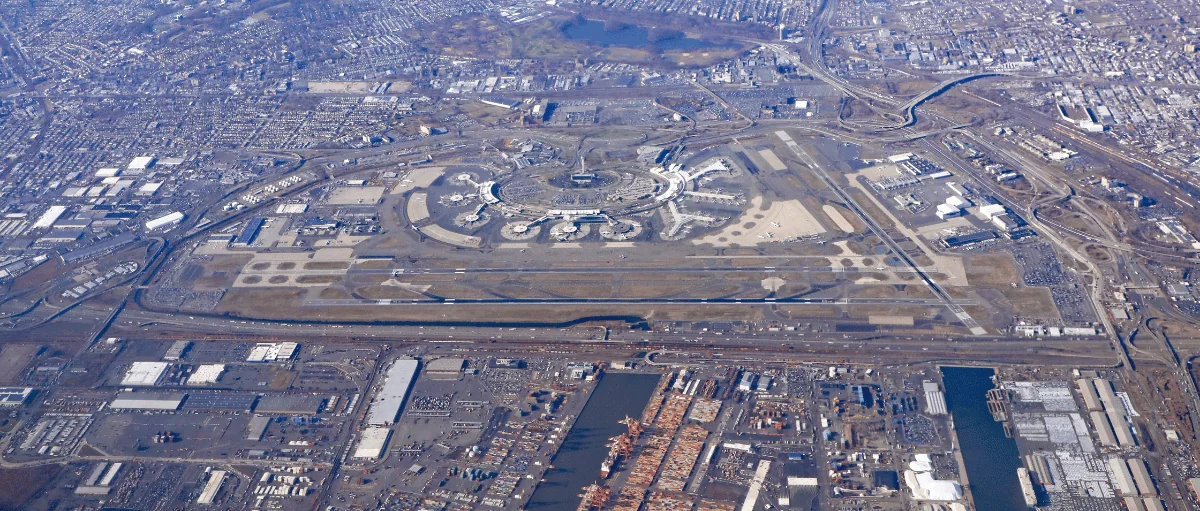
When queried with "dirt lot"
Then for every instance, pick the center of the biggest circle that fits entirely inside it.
(17, 486)
(994, 269)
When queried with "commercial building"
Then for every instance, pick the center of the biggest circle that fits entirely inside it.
(373, 443)
(144, 373)
(510, 104)
(388, 402)
(968, 239)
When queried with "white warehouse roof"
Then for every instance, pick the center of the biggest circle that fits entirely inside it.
(385, 409)
(144, 373)
(146, 401)
(372, 443)
(141, 162)
(206, 374)
(165, 220)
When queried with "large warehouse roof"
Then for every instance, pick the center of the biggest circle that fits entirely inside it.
(373, 443)
(144, 373)
(385, 409)
(147, 401)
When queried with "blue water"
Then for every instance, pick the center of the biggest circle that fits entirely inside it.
(577, 463)
(991, 459)
(629, 35)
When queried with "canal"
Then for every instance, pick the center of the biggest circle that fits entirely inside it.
(991, 459)
(577, 463)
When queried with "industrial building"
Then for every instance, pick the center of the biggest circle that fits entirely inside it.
(49, 217)
(968, 239)
(215, 479)
(14, 396)
(144, 373)
(388, 402)
(164, 221)
(177, 350)
(257, 427)
(301, 404)
(448, 367)
(935, 400)
(141, 163)
(373, 443)
(272, 352)
(206, 374)
(1121, 476)
(147, 401)
(246, 237)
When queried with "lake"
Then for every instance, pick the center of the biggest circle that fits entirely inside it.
(628, 35)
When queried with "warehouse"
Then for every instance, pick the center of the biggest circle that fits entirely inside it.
(1103, 429)
(1121, 476)
(1091, 400)
(220, 401)
(144, 373)
(49, 217)
(249, 232)
(147, 401)
(445, 367)
(141, 163)
(373, 443)
(968, 239)
(257, 428)
(177, 350)
(289, 404)
(272, 352)
(385, 409)
(166, 220)
(206, 374)
(1141, 476)
(209, 493)
(14, 396)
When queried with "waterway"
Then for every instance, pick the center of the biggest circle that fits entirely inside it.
(628, 35)
(577, 463)
(991, 459)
